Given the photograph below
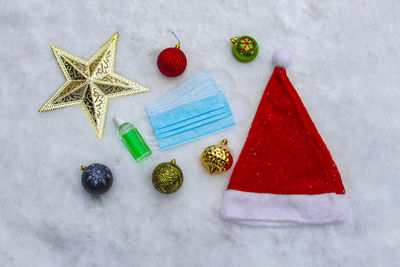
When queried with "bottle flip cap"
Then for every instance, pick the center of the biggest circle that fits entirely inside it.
(118, 121)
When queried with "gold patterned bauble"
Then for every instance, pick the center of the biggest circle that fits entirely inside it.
(91, 83)
(217, 158)
(167, 177)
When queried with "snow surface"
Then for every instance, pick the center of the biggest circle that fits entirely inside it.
(346, 57)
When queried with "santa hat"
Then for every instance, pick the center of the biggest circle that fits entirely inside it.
(285, 175)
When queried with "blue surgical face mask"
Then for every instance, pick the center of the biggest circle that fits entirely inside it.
(195, 109)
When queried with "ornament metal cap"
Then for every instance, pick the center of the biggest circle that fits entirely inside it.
(178, 45)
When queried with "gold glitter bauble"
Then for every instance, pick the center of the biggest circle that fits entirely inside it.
(167, 177)
(217, 158)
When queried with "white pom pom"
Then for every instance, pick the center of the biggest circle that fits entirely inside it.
(282, 58)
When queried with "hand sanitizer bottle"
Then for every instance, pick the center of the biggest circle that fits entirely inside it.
(132, 139)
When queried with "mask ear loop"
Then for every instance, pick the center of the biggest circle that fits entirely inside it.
(240, 104)
(149, 132)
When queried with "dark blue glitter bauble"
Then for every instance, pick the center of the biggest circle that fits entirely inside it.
(96, 178)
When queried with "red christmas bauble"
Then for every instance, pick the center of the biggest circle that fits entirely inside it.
(171, 62)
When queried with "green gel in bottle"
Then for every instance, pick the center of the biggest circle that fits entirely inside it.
(132, 139)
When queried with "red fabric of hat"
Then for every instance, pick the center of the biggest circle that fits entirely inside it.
(285, 175)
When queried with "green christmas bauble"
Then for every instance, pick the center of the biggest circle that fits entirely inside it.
(167, 177)
(244, 48)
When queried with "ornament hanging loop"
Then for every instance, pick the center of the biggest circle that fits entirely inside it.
(178, 45)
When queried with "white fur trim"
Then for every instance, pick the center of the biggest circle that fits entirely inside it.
(263, 209)
(282, 58)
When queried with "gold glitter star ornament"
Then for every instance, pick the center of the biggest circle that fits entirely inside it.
(91, 83)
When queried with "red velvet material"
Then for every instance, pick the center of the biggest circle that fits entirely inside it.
(284, 153)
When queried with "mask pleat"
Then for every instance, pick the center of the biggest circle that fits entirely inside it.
(194, 109)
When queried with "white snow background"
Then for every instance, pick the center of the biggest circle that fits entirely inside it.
(346, 58)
